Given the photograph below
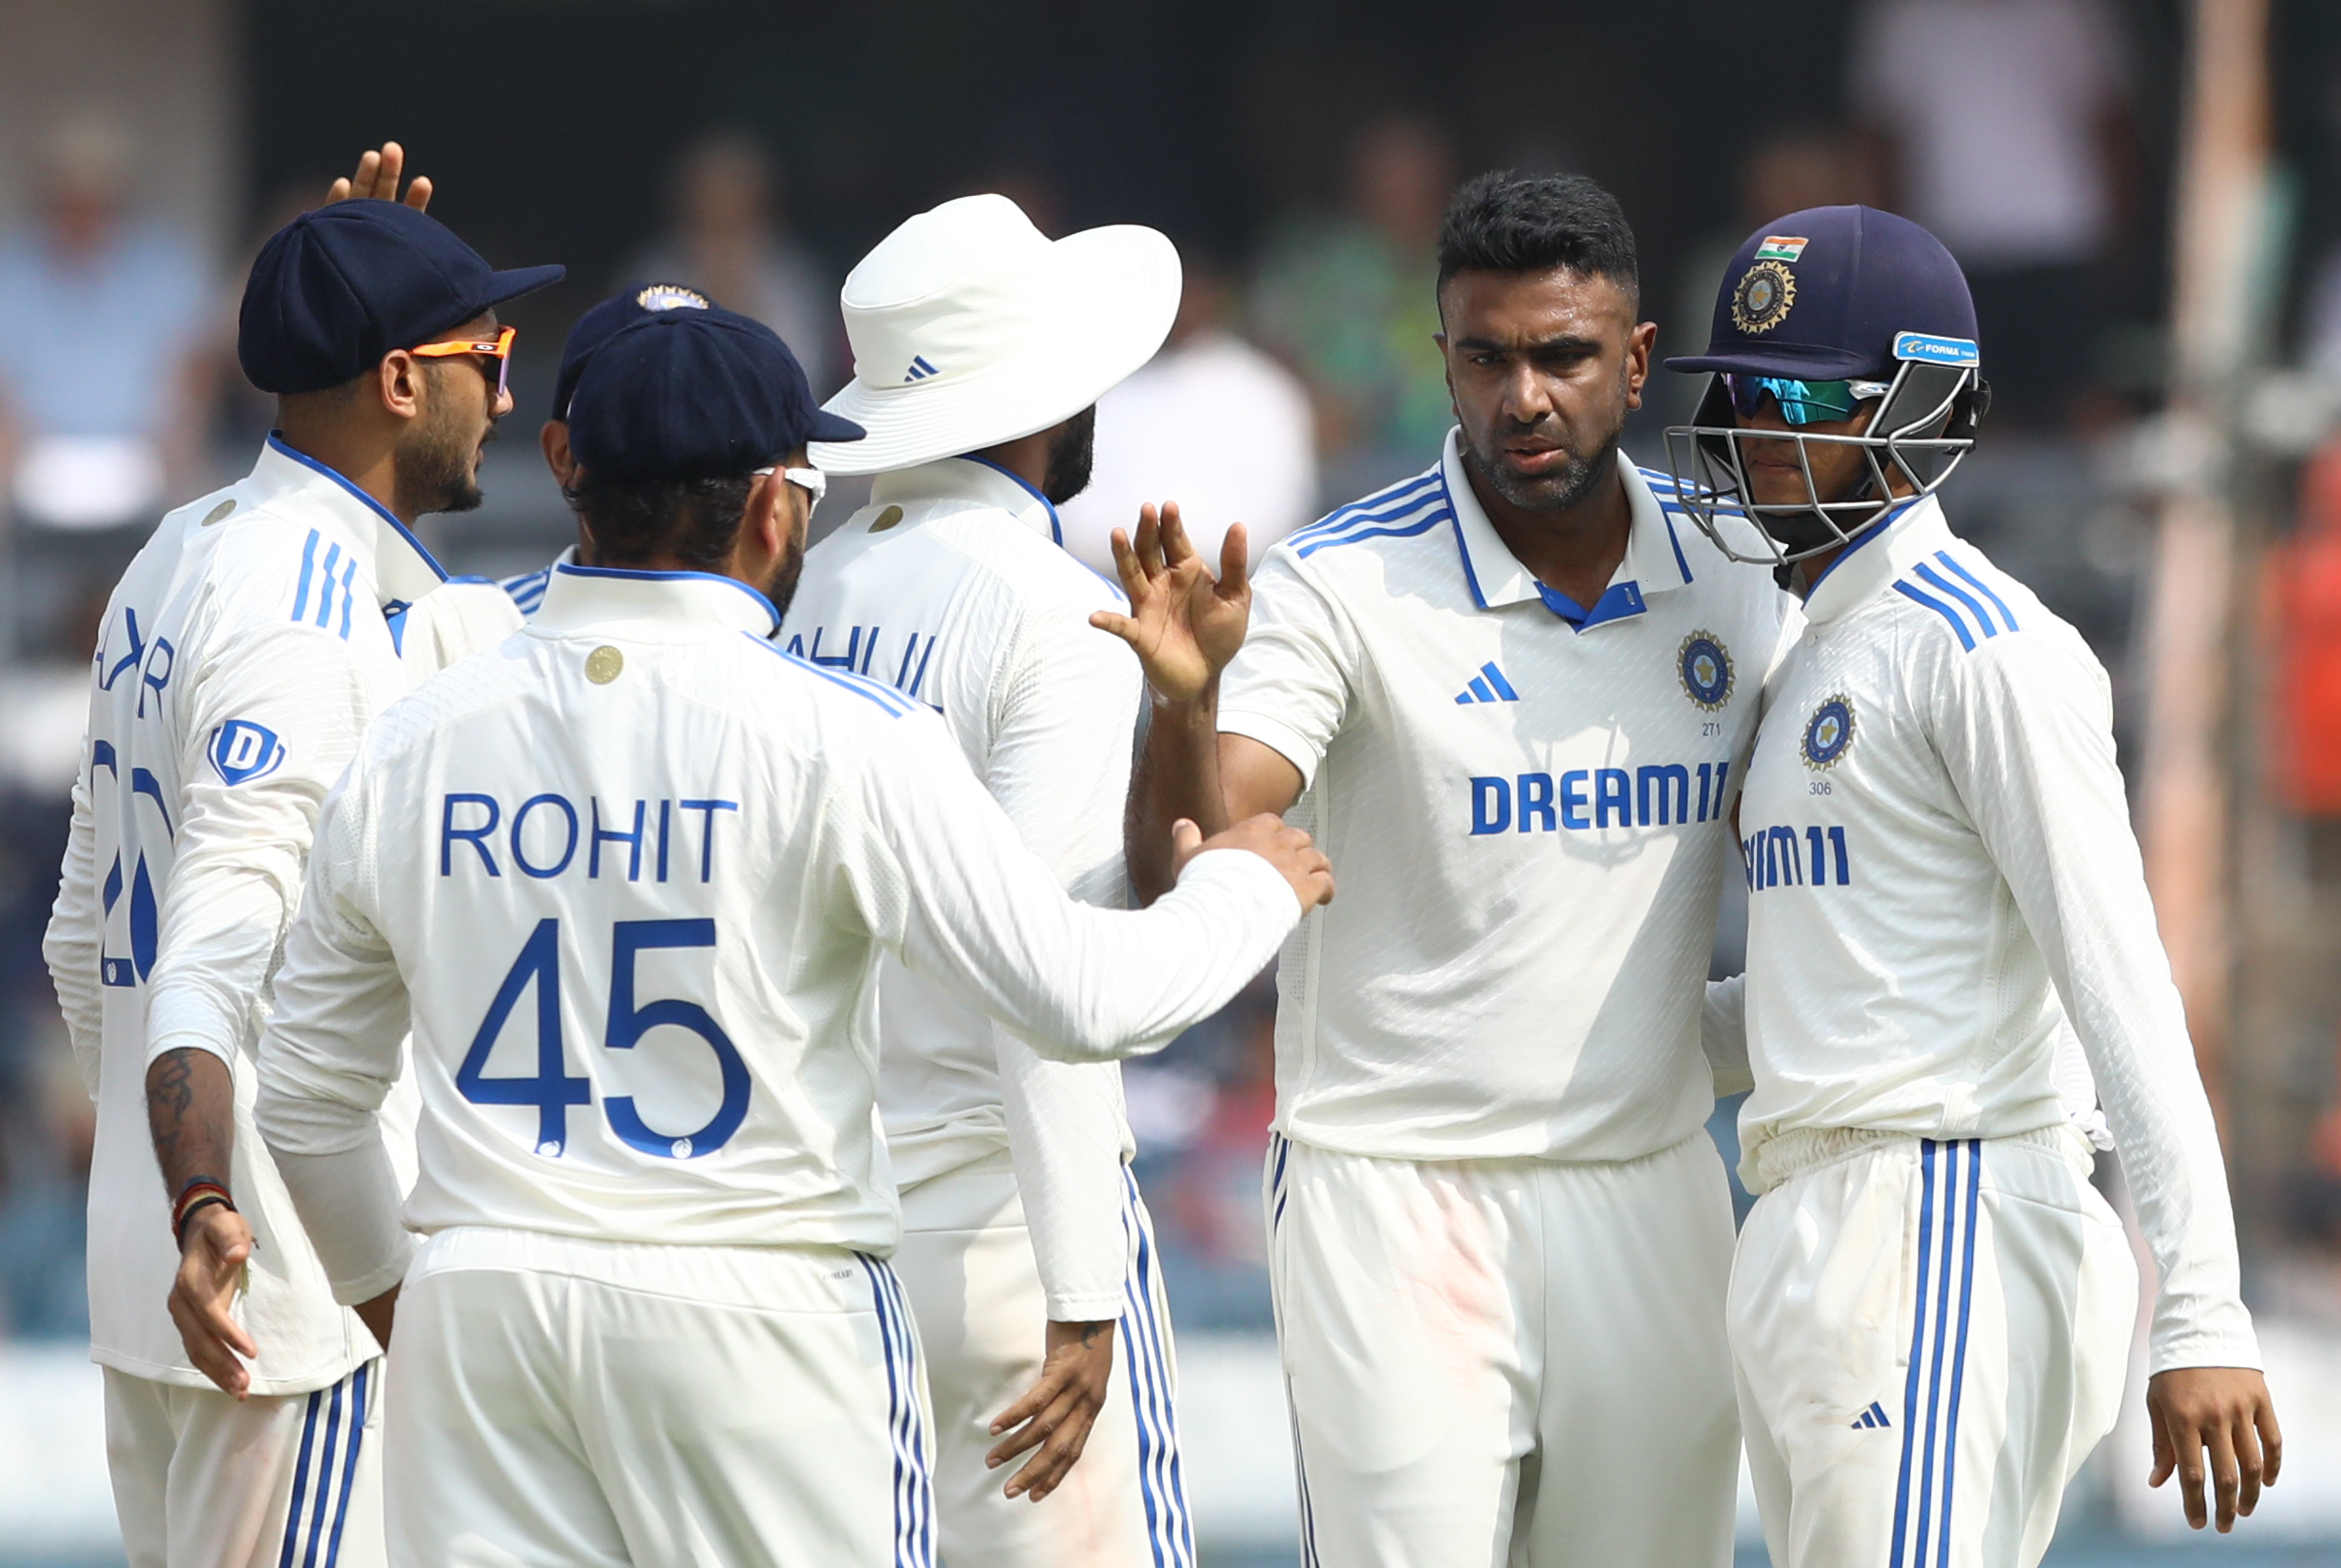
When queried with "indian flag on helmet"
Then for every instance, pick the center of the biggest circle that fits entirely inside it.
(1780, 248)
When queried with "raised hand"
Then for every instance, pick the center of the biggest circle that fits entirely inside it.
(377, 179)
(1184, 624)
(1290, 849)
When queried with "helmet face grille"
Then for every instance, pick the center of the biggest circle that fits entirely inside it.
(1923, 426)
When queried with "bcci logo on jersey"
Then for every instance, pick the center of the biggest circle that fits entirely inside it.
(1827, 733)
(1706, 671)
(242, 751)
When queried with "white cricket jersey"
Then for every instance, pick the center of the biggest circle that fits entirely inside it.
(950, 586)
(244, 652)
(1939, 853)
(527, 589)
(632, 872)
(1526, 802)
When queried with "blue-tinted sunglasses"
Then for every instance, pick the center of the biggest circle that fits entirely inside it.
(1801, 402)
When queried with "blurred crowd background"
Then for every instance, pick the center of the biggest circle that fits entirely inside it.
(1300, 152)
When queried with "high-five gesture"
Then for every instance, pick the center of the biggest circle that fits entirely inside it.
(1183, 624)
(377, 179)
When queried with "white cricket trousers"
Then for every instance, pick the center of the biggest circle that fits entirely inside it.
(966, 1262)
(284, 1480)
(557, 1401)
(1506, 1362)
(1930, 1337)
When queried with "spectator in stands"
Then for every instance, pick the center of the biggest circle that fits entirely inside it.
(2003, 126)
(1209, 423)
(730, 239)
(102, 383)
(1349, 301)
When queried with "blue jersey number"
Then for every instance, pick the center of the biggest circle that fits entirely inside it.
(553, 1091)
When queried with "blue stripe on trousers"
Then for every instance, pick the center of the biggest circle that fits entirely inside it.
(1161, 1472)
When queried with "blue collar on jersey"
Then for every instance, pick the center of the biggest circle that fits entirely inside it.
(1876, 530)
(1056, 529)
(278, 444)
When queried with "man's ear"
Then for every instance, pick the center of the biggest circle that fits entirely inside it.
(398, 383)
(768, 515)
(553, 441)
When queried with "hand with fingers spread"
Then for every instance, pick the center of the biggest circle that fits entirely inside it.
(2225, 1411)
(212, 1255)
(1290, 849)
(377, 179)
(1184, 624)
(1058, 1410)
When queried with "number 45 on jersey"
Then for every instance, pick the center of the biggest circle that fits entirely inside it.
(553, 1091)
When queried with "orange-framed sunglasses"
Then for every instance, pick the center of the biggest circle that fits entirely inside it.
(498, 349)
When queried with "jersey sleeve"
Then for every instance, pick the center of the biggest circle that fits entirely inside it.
(2024, 730)
(75, 933)
(1289, 686)
(330, 1054)
(1057, 766)
(935, 872)
(270, 727)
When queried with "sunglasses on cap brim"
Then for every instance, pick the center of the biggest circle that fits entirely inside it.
(1802, 402)
(498, 348)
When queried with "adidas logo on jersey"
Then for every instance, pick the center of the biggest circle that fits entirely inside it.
(1874, 1416)
(1487, 686)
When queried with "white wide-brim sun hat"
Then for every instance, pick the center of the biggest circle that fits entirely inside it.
(970, 327)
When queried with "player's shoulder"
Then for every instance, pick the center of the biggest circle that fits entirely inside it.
(829, 693)
(1389, 526)
(267, 565)
(1953, 604)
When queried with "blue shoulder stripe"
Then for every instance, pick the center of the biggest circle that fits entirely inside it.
(1981, 587)
(885, 697)
(1967, 637)
(1380, 506)
(1936, 580)
(1409, 531)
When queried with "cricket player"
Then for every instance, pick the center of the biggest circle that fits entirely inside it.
(630, 875)
(595, 327)
(1512, 697)
(1931, 1306)
(980, 350)
(244, 652)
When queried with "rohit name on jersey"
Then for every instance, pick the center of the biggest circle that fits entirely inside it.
(1589, 799)
(540, 836)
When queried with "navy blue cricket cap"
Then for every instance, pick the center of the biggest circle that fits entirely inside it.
(1831, 293)
(694, 395)
(635, 302)
(336, 289)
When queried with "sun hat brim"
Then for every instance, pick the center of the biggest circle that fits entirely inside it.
(1112, 297)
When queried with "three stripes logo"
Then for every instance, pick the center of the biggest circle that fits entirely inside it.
(919, 369)
(1961, 597)
(1487, 686)
(1875, 1416)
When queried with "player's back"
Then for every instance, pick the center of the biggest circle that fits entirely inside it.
(649, 1015)
(254, 580)
(945, 587)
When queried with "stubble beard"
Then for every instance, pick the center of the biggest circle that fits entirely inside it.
(1073, 453)
(434, 469)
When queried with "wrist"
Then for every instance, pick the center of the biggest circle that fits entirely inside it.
(1202, 707)
(197, 1196)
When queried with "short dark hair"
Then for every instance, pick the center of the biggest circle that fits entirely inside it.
(697, 521)
(1502, 223)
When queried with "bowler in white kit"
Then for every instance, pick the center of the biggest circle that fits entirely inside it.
(630, 875)
(1512, 696)
(1931, 1305)
(981, 349)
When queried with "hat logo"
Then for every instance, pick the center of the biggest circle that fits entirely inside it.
(1767, 290)
(671, 297)
(921, 369)
(1781, 247)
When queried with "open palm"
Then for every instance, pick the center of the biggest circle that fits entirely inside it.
(1184, 624)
